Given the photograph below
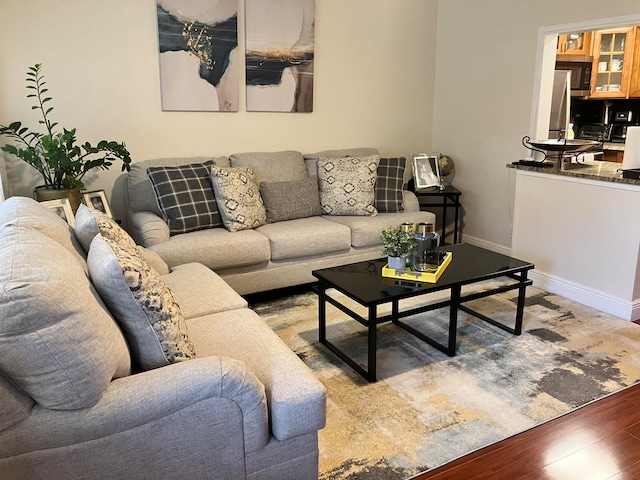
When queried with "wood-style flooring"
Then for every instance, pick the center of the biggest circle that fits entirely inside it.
(600, 441)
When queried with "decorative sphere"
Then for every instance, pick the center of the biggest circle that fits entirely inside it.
(445, 163)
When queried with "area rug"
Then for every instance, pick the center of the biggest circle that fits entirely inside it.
(428, 409)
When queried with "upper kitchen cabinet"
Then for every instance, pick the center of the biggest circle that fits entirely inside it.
(634, 86)
(573, 46)
(612, 62)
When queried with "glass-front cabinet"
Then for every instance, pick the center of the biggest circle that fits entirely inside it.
(612, 62)
(577, 43)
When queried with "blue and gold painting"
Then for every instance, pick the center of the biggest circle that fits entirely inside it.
(198, 43)
(279, 55)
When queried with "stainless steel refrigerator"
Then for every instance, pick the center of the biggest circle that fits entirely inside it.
(560, 104)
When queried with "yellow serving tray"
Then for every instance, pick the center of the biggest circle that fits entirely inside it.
(409, 274)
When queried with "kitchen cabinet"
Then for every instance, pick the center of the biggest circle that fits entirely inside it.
(615, 156)
(612, 62)
(634, 87)
(577, 43)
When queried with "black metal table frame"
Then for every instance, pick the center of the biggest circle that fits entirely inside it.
(454, 303)
(449, 199)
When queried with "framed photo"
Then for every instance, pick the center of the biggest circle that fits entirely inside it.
(426, 171)
(63, 208)
(98, 200)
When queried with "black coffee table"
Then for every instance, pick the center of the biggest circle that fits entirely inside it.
(364, 283)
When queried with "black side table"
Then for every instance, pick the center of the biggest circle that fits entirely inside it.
(447, 198)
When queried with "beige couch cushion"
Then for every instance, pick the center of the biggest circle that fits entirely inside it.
(209, 294)
(272, 166)
(365, 231)
(43, 288)
(141, 302)
(305, 237)
(14, 405)
(26, 212)
(216, 248)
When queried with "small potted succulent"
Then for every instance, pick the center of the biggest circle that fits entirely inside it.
(397, 246)
(55, 154)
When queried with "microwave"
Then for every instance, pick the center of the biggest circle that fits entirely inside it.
(580, 77)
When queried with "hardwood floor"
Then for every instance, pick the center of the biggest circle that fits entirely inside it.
(600, 441)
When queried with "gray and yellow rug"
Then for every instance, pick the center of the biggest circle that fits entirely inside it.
(428, 409)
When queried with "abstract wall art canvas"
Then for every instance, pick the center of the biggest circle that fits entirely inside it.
(279, 55)
(198, 41)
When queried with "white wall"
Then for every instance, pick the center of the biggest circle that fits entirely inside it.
(485, 73)
(374, 80)
(585, 246)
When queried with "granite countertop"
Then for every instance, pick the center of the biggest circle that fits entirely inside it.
(604, 171)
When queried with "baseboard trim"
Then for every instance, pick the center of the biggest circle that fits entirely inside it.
(573, 291)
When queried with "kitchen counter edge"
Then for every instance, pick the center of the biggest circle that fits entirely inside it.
(603, 171)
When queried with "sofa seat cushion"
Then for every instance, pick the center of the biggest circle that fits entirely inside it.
(15, 405)
(305, 237)
(347, 185)
(216, 248)
(141, 302)
(238, 197)
(291, 200)
(296, 399)
(58, 342)
(365, 231)
(209, 294)
(269, 167)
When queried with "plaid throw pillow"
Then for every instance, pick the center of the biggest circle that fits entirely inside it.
(389, 184)
(185, 196)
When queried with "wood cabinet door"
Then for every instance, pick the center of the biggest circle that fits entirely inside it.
(634, 85)
(612, 62)
(577, 43)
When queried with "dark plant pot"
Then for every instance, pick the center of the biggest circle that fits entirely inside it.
(43, 193)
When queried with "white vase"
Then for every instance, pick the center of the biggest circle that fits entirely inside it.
(396, 263)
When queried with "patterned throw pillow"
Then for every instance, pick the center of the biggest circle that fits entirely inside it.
(389, 184)
(347, 185)
(89, 222)
(239, 198)
(291, 200)
(185, 196)
(142, 304)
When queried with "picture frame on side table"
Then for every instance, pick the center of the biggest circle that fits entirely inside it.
(426, 172)
(62, 207)
(97, 199)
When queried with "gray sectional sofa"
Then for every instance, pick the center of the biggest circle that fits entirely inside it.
(273, 255)
(98, 381)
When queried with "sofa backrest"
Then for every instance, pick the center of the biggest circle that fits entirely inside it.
(284, 166)
(26, 212)
(58, 342)
(140, 193)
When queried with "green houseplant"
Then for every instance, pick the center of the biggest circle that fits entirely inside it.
(397, 244)
(55, 154)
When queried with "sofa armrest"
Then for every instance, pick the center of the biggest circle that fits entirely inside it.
(148, 229)
(131, 403)
(410, 201)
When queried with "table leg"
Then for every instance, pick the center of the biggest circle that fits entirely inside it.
(322, 312)
(522, 290)
(455, 223)
(372, 344)
(453, 319)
